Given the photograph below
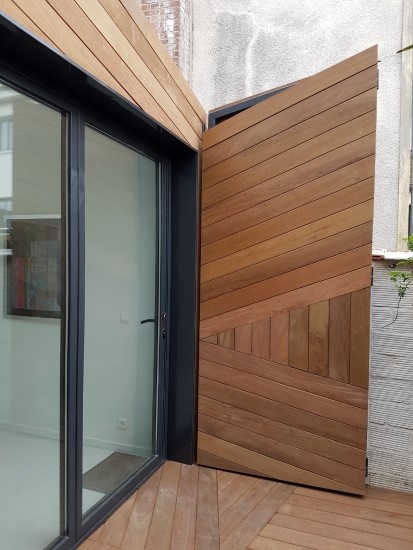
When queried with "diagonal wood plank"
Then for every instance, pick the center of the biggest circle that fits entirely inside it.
(232, 518)
(311, 294)
(288, 261)
(279, 122)
(239, 539)
(357, 524)
(309, 540)
(292, 456)
(285, 375)
(284, 414)
(381, 542)
(282, 432)
(351, 508)
(233, 492)
(207, 532)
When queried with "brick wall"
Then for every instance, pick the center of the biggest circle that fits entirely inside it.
(172, 20)
(390, 439)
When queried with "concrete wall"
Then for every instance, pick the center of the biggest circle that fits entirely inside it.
(390, 441)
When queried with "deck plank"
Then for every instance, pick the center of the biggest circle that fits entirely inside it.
(207, 534)
(258, 518)
(203, 508)
(183, 533)
(160, 531)
(141, 516)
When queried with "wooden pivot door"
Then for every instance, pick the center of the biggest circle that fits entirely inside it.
(287, 209)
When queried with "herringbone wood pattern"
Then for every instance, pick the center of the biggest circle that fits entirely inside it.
(190, 507)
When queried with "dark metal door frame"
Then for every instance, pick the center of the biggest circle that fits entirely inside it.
(34, 68)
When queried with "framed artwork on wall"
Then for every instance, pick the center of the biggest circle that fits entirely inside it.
(34, 266)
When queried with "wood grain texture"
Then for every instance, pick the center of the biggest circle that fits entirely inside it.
(330, 429)
(113, 41)
(207, 532)
(280, 338)
(286, 220)
(222, 510)
(261, 338)
(360, 338)
(318, 338)
(243, 339)
(339, 338)
(160, 531)
(263, 209)
(298, 338)
(227, 339)
(281, 121)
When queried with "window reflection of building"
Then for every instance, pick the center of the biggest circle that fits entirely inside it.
(6, 134)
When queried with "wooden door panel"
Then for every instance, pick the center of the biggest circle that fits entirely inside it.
(287, 209)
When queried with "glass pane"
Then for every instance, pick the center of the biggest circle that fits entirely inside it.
(121, 305)
(32, 369)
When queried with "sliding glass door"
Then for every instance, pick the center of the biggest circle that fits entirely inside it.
(122, 312)
(33, 176)
(82, 383)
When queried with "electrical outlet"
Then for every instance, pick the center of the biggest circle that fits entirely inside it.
(122, 423)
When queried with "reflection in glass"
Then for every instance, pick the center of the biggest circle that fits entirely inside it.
(121, 291)
(32, 469)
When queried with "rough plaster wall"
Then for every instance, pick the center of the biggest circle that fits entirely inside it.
(390, 439)
(242, 47)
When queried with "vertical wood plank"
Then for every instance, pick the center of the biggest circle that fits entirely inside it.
(261, 337)
(298, 338)
(279, 338)
(207, 534)
(339, 338)
(318, 338)
(183, 533)
(360, 337)
(160, 531)
(243, 339)
(140, 520)
(226, 339)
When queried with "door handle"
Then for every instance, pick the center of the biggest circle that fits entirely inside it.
(147, 321)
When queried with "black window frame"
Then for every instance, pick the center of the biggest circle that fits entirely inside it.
(36, 69)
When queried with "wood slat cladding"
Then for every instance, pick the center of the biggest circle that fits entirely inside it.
(286, 231)
(112, 40)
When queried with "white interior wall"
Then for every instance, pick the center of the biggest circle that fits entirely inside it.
(120, 279)
(30, 347)
(121, 249)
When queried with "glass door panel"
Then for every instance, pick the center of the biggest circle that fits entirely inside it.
(121, 313)
(33, 172)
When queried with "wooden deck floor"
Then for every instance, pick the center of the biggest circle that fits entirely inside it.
(189, 507)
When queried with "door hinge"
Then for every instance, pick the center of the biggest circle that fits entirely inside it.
(367, 467)
(164, 323)
(372, 276)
